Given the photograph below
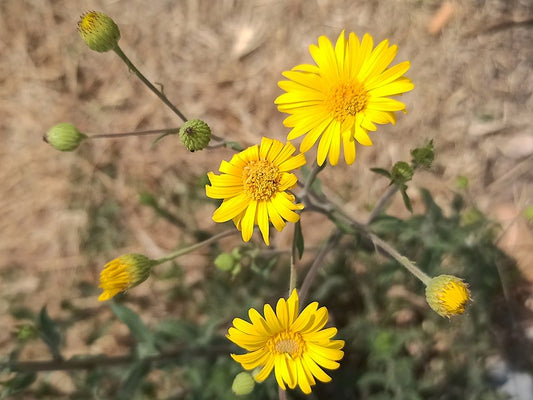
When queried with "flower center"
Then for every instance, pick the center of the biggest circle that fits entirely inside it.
(347, 98)
(287, 342)
(454, 298)
(261, 179)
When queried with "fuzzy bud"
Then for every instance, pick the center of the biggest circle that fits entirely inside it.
(195, 134)
(447, 295)
(98, 31)
(123, 273)
(64, 137)
(401, 172)
(243, 384)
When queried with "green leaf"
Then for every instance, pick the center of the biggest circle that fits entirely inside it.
(137, 328)
(382, 171)
(156, 141)
(234, 145)
(49, 333)
(406, 199)
(134, 380)
(298, 241)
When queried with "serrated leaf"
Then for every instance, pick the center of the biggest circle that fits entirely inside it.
(49, 333)
(406, 199)
(136, 326)
(134, 380)
(382, 171)
(298, 240)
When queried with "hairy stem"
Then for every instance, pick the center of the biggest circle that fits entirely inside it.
(189, 249)
(138, 133)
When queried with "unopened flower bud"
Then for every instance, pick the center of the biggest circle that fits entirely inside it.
(123, 273)
(195, 134)
(225, 262)
(98, 31)
(401, 172)
(447, 295)
(423, 156)
(243, 384)
(64, 137)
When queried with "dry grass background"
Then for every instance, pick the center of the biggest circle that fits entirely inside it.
(220, 61)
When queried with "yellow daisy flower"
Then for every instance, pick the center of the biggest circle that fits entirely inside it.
(254, 184)
(343, 96)
(295, 346)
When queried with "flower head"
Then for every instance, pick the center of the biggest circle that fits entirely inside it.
(343, 96)
(64, 137)
(295, 346)
(447, 295)
(123, 273)
(254, 187)
(195, 134)
(98, 31)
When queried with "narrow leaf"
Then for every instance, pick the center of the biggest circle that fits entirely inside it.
(49, 333)
(137, 328)
(406, 199)
(298, 240)
(382, 171)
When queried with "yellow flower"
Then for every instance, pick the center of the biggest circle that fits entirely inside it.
(447, 295)
(343, 96)
(123, 273)
(295, 346)
(254, 184)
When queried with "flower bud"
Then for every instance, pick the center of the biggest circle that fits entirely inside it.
(98, 31)
(195, 134)
(401, 172)
(123, 273)
(423, 156)
(225, 262)
(447, 295)
(243, 384)
(64, 137)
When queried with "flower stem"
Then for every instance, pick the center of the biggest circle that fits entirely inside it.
(189, 249)
(317, 263)
(158, 93)
(404, 261)
(382, 203)
(139, 133)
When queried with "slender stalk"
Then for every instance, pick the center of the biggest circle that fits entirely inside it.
(138, 133)
(411, 267)
(282, 393)
(157, 92)
(105, 361)
(315, 170)
(293, 277)
(189, 249)
(382, 203)
(317, 263)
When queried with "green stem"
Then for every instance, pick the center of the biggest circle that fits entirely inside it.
(157, 92)
(404, 261)
(190, 249)
(139, 133)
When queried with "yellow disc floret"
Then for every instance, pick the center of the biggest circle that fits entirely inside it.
(447, 295)
(98, 31)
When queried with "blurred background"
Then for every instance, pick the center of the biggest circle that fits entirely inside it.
(63, 215)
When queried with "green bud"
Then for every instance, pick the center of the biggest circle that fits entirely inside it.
(423, 156)
(64, 137)
(98, 31)
(224, 262)
(401, 172)
(243, 384)
(195, 134)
